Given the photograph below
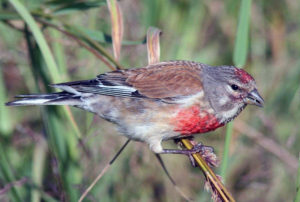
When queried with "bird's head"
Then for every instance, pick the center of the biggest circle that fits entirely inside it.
(230, 89)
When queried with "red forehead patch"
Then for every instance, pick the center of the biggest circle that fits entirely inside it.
(243, 75)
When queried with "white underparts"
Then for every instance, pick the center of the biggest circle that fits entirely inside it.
(155, 146)
(223, 100)
(191, 100)
(229, 114)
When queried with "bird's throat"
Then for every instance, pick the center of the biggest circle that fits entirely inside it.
(195, 120)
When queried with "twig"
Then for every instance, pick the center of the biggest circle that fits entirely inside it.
(104, 170)
(86, 38)
(222, 192)
(171, 179)
(80, 42)
(8, 186)
(72, 36)
(95, 45)
(268, 144)
(297, 198)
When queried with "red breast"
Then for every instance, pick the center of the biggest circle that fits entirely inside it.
(195, 120)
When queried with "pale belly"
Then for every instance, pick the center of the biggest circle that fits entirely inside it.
(146, 120)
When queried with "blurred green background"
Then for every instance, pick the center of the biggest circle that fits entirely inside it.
(41, 157)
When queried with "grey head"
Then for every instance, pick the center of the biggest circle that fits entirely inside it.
(229, 90)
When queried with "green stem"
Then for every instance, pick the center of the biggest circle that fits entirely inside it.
(5, 117)
(38, 165)
(47, 55)
(94, 44)
(297, 199)
(6, 171)
(226, 150)
(239, 59)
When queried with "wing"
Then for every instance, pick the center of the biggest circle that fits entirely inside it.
(104, 85)
(161, 80)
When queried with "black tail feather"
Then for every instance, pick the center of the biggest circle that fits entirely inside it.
(61, 98)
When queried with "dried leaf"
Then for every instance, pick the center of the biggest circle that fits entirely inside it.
(153, 46)
(117, 26)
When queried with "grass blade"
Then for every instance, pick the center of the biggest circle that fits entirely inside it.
(103, 171)
(38, 164)
(225, 159)
(5, 123)
(47, 55)
(153, 47)
(59, 54)
(117, 26)
(239, 59)
(297, 199)
(6, 172)
(242, 41)
(75, 31)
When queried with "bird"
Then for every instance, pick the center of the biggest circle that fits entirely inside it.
(161, 101)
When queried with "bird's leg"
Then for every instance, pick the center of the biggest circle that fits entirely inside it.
(197, 148)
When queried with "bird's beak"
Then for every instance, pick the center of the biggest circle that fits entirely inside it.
(253, 98)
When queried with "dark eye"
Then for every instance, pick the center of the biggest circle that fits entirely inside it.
(234, 87)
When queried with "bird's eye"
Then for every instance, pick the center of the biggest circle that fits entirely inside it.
(234, 87)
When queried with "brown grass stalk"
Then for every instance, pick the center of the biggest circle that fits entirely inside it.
(214, 181)
(103, 171)
(153, 47)
(117, 28)
(79, 41)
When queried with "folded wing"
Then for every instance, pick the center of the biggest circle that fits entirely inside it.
(158, 81)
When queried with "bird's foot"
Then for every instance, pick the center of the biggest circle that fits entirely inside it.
(197, 148)
(206, 152)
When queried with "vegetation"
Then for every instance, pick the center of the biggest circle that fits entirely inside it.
(54, 153)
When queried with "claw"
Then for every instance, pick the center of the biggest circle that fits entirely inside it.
(200, 149)
(206, 152)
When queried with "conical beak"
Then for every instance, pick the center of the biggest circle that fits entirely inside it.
(254, 98)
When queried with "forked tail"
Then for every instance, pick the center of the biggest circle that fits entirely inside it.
(61, 98)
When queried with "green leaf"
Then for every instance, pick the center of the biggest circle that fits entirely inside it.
(225, 159)
(92, 43)
(242, 41)
(70, 7)
(297, 198)
(47, 55)
(5, 123)
(6, 172)
(239, 59)
(105, 38)
(7, 15)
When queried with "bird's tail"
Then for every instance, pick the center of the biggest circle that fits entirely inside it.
(61, 98)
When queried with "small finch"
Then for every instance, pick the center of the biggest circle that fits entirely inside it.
(162, 101)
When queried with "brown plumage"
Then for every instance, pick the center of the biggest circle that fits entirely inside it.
(165, 80)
